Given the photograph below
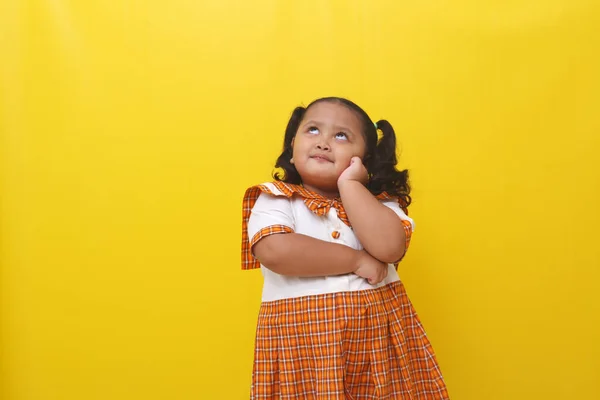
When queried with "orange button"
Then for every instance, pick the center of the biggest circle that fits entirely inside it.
(335, 234)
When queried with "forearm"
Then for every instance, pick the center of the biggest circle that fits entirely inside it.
(377, 227)
(294, 254)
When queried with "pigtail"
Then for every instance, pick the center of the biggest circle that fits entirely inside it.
(384, 175)
(289, 173)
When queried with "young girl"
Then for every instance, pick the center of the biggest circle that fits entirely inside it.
(335, 321)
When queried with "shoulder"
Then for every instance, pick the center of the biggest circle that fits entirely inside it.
(268, 195)
(271, 189)
(397, 205)
(392, 201)
(266, 210)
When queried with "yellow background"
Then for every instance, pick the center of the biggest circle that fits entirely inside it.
(129, 131)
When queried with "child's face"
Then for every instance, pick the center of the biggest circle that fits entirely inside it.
(328, 137)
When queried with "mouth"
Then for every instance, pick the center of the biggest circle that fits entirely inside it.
(321, 158)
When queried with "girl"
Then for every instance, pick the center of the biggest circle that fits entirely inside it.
(335, 321)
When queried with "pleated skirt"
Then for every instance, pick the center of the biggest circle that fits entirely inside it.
(366, 344)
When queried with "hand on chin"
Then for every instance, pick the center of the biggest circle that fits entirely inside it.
(356, 171)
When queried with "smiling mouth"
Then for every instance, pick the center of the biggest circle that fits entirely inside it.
(321, 158)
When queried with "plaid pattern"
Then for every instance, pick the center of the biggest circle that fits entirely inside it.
(250, 197)
(366, 344)
(316, 203)
(270, 230)
(408, 235)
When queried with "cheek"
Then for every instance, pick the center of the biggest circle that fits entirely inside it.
(361, 150)
(347, 153)
(301, 147)
(343, 160)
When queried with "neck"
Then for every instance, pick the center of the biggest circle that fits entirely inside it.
(325, 193)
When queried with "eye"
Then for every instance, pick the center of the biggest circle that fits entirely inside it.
(313, 130)
(341, 135)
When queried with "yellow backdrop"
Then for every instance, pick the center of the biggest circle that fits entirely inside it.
(129, 131)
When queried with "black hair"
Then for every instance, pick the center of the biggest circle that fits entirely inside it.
(380, 156)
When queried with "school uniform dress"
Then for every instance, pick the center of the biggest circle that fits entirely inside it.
(332, 337)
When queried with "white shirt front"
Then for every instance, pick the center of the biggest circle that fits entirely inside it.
(275, 209)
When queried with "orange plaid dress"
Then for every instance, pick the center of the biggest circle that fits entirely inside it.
(348, 344)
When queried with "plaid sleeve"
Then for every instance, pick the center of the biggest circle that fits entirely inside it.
(407, 222)
(268, 231)
(265, 213)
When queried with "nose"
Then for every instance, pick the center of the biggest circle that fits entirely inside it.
(323, 145)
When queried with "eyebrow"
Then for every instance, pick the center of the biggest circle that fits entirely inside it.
(337, 127)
